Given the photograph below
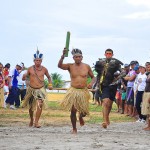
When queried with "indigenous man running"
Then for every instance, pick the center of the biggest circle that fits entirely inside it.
(35, 97)
(77, 97)
(106, 67)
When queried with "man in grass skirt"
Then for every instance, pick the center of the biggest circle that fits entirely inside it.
(77, 97)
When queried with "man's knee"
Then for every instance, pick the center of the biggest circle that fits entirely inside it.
(40, 103)
(107, 103)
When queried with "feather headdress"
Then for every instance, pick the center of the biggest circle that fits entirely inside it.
(38, 55)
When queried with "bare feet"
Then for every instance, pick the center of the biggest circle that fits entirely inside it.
(31, 124)
(74, 131)
(147, 129)
(36, 125)
(81, 121)
(105, 124)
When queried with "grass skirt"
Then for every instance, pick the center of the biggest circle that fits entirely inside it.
(32, 96)
(146, 104)
(79, 98)
(1, 97)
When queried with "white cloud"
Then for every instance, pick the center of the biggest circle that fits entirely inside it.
(145, 3)
(141, 9)
(139, 15)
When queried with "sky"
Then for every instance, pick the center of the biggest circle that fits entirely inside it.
(95, 25)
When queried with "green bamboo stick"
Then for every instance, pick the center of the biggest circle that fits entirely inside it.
(67, 43)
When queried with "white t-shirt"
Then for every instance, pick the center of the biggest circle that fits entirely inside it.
(20, 81)
(141, 82)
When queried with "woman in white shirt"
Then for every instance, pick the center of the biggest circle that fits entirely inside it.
(141, 83)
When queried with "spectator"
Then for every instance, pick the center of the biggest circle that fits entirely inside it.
(2, 82)
(21, 83)
(123, 88)
(13, 97)
(6, 88)
(146, 100)
(141, 83)
(130, 93)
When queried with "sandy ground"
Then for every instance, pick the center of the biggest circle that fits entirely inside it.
(118, 136)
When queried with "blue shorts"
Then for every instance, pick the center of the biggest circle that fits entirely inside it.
(130, 96)
(123, 96)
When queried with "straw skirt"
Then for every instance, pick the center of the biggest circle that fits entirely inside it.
(79, 98)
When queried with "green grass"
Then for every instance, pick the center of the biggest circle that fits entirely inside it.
(56, 111)
(13, 115)
(95, 108)
(54, 105)
(95, 113)
(95, 119)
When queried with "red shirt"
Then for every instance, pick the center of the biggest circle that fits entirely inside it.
(5, 73)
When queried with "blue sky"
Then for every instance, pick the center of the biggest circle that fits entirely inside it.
(95, 25)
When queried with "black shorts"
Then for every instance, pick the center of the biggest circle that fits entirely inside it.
(109, 92)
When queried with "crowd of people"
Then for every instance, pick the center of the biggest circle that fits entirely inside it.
(128, 85)
(12, 85)
(132, 89)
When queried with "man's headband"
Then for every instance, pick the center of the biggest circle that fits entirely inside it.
(76, 52)
(38, 55)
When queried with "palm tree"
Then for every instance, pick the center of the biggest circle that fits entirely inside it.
(57, 80)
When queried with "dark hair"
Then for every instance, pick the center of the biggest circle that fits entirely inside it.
(126, 65)
(147, 63)
(7, 65)
(1, 64)
(134, 62)
(109, 50)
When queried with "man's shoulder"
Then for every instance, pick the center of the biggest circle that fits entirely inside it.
(116, 61)
(85, 64)
(101, 59)
(31, 67)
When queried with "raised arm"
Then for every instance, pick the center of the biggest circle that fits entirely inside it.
(60, 63)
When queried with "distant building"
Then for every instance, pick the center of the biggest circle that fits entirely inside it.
(66, 84)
